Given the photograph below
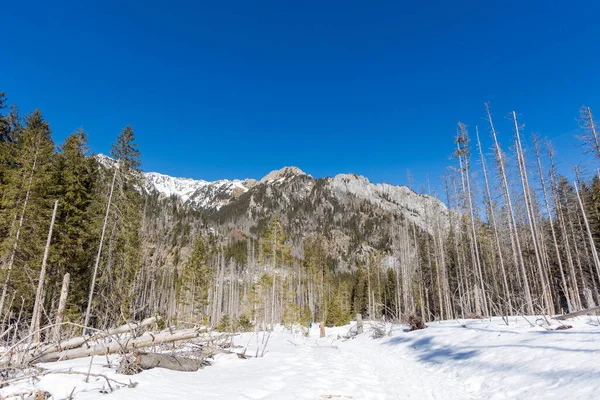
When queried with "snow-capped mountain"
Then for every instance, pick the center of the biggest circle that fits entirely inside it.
(421, 209)
(357, 218)
(199, 193)
(291, 188)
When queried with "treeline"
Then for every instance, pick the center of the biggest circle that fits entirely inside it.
(517, 238)
(34, 174)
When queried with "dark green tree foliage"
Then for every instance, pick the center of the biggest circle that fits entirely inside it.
(243, 324)
(335, 315)
(10, 129)
(360, 296)
(123, 258)
(275, 250)
(158, 258)
(77, 227)
(592, 202)
(30, 181)
(196, 278)
(237, 251)
(389, 309)
(317, 273)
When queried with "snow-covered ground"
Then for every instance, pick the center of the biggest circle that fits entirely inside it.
(459, 359)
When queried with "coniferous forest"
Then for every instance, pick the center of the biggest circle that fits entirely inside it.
(84, 245)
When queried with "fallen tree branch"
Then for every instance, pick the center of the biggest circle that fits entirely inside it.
(116, 346)
(578, 313)
(31, 394)
(26, 356)
(78, 341)
(69, 372)
(143, 361)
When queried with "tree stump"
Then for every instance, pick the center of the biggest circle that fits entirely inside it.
(359, 324)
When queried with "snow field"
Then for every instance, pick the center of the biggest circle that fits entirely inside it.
(459, 359)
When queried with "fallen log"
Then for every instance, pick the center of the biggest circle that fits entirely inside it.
(116, 346)
(143, 361)
(593, 310)
(80, 340)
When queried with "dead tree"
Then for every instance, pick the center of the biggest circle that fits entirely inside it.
(39, 297)
(512, 218)
(495, 227)
(530, 217)
(589, 232)
(62, 305)
(551, 221)
(116, 346)
(95, 273)
(463, 153)
(590, 135)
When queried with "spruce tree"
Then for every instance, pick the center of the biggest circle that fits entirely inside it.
(27, 205)
(76, 227)
(123, 259)
(195, 280)
(10, 131)
(275, 251)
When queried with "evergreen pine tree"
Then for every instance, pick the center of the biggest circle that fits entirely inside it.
(275, 251)
(27, 207)
(76, 229)
(123, 258)
(196, 278)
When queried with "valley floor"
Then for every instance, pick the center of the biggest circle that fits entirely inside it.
(459, 359)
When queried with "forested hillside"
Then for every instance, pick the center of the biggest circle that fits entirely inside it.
(519, 239)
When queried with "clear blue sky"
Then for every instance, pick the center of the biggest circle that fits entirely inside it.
(236, 89)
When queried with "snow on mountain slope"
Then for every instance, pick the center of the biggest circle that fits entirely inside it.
(170, 186)
(423, 210)
(200, 193)
(105, 161)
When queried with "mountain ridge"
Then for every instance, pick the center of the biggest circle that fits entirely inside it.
(347, 208)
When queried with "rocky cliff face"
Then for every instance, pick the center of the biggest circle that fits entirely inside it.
(352, 213)
(293, 185)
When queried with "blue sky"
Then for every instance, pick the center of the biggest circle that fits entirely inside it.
(236, 89)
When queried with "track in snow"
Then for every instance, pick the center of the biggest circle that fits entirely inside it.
(313, 369)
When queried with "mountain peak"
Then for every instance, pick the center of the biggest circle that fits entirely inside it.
(105, 161)
(282, 174)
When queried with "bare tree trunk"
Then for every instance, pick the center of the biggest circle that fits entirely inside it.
(81, 340)
(116, 346)
(62, 305)
(513, 221)
(562, 223)
(589, 232)
(39, 297)
(495, 227)
(551, 221)
(548, 306)
(467, 189)
(95, 274)
(588, 121)
(147, 361)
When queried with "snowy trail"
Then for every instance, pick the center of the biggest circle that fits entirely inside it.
(311, 369)
(468, 359)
